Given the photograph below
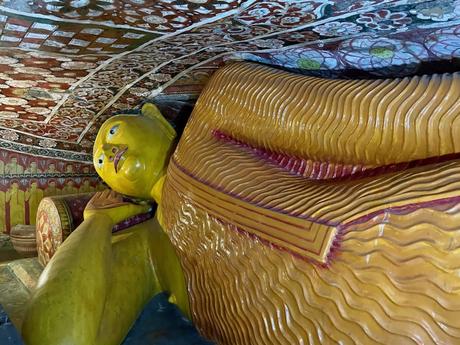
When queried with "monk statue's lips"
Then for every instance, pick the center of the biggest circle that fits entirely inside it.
(118, 157)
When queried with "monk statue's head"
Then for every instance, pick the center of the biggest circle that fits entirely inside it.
(131, 152)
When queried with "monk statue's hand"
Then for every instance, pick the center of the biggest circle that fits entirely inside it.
(111, 204)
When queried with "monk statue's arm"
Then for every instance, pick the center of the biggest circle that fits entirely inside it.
(68, 303)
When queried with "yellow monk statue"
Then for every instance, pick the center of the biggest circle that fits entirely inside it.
(96, 282)
(33, 195)
(294, 210)
(15, 198)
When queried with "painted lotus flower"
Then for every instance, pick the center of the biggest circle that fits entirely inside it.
(444, 43)
(438, 11)
(373, 54)
(338, 29)
(297, 58)
(384, 20)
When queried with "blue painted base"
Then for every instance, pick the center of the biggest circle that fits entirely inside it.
(161, 323)
(8, 333)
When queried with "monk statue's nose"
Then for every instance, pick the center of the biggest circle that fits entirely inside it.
(110, 151)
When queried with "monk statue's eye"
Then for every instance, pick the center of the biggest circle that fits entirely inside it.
(113, 131)
(100, 161)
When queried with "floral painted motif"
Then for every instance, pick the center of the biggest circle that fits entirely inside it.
(31, 92)
(338, 29)
(299, 36)
(310, 59)
(374, 54)
(160, 77)
(268, 43)
(347, 6)
(9, 135)
(202, 6)
(77, 8)
(47, 143)
(303, 59)
(384, 20)
(196, 39)
(283, 14)
(444, 43)
(162, 15)
(233, 31)
(438, 11)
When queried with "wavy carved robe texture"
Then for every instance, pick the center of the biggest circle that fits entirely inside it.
(305, 210)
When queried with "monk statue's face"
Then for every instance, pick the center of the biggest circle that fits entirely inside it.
(132, 151)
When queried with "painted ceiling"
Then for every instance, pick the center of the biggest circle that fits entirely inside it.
(66, 66)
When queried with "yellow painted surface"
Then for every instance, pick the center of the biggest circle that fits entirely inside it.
(25, 180)
(389, 272)
(394, 275)
(106, 278)
(33, 195)
(131, 152)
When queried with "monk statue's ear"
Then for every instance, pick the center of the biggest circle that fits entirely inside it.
(150, 110)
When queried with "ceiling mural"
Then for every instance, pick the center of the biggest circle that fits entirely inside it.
(66, 66)
(153, 15)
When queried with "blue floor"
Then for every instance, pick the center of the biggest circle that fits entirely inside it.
(8, 333)
(160, 323)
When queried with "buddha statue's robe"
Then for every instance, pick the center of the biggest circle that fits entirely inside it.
(33, 195)
(15, 198)
(318, 211)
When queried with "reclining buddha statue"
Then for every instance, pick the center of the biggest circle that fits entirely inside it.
(294, 210)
